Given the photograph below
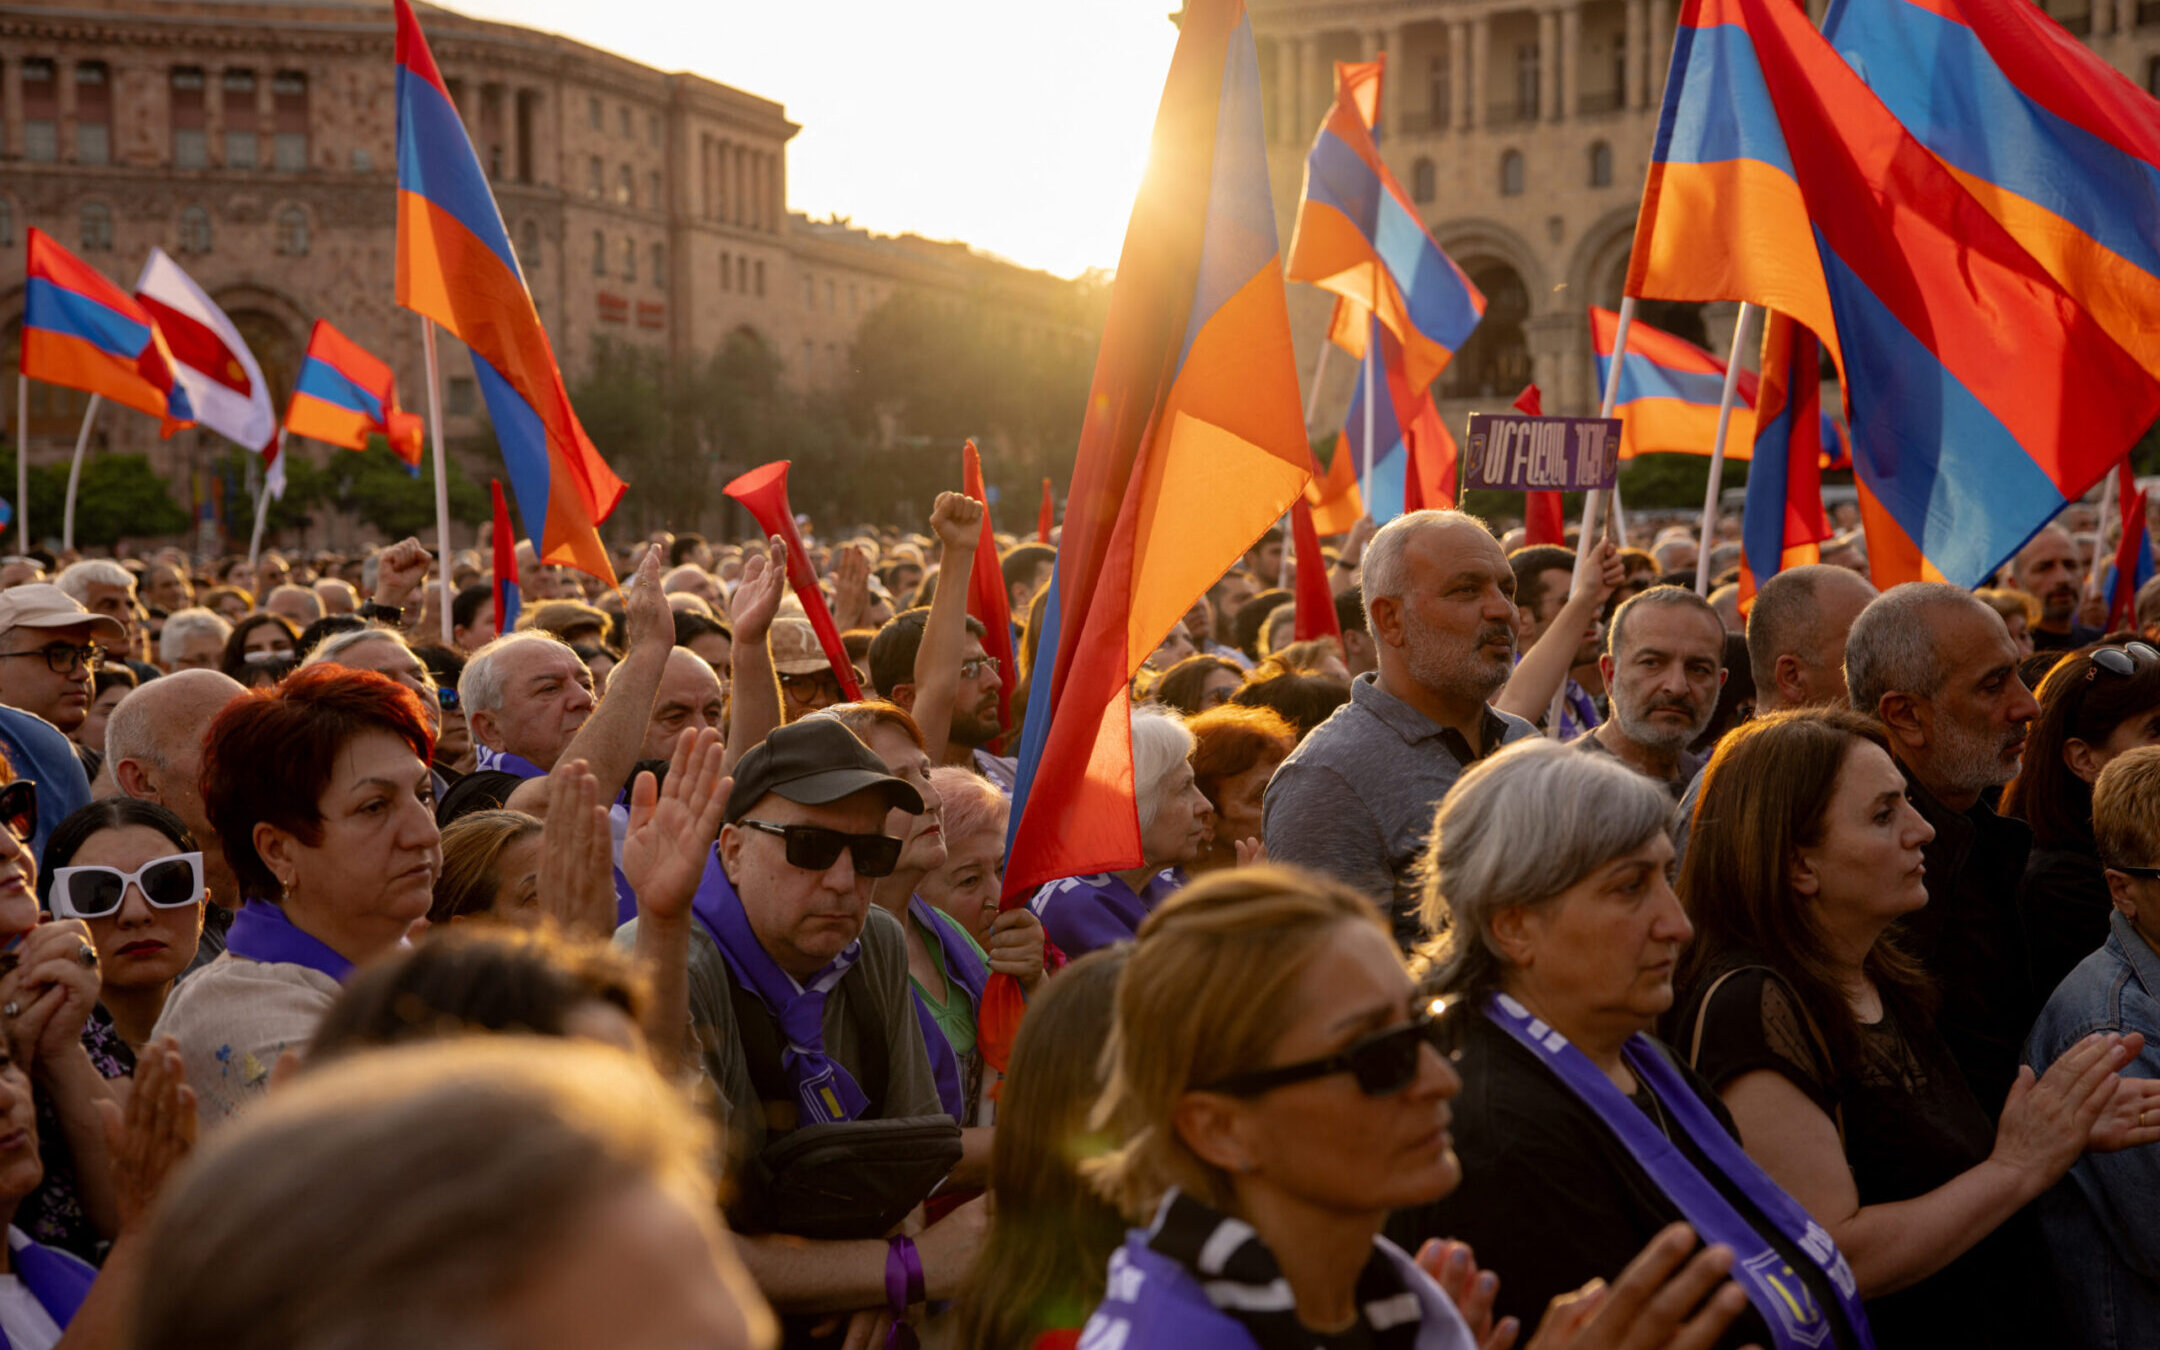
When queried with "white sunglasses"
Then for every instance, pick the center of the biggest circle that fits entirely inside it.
(173, 882)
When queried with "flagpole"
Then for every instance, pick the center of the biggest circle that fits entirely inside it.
(1717, 447)
(1319, 376)
(2108, 509)
(262, 511)
(1585, 541)
(22, 462)
(1372, 357)
(442, 474)
(82, 443)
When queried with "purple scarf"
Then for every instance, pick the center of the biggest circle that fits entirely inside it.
(824, 1089)
(487, 760)
(58, 1280)
(1083, 913)
(964, 967)
(501, 761)
(1796, 1321)
(262, 931)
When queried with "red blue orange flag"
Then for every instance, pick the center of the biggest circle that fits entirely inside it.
(1783, 522)
(80, 331)
(1360, 236)
(343, 395)
(988, 600)
(1982, 396)
(1333, 493)
(1193, 446)
(2133, 556)
(2059, 146)
(1669, 394)
(503, 544)
(455, 266)
(1414, 456)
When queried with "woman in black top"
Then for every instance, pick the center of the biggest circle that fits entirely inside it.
(1579, 1135)
(1814, 1029)
(2094, 705)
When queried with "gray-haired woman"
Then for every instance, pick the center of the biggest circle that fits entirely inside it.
(1580, 1136)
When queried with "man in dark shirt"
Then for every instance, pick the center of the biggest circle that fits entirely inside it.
(1940, 670)
(2048, 569)
(1664, 663)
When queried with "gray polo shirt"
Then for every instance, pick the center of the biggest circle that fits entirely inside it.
(1355, 800)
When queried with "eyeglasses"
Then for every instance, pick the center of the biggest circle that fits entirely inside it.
(1384, 1063)
(446, 697)
(2141, 873)
(976, 666)
(815, 848)
(62, 659)
(18, 808)
(2121, 660)
(173, 882)
(802, 688)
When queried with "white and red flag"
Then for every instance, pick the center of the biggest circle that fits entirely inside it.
(210, 359)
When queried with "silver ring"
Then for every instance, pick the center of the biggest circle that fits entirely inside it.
(13, 1009)
(86, 954)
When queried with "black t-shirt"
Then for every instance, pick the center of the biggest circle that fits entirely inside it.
(1910, 1124)
(2065, 908)
(1551, 1199)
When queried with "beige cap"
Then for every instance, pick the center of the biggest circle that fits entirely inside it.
(47, 606)
(795, 649)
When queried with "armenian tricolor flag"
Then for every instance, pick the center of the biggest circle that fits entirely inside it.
(2055, 143)
(1359, 235)
(1414, 457)
(455, 265)
(1783, 522)
(1669, 394)
(1333, 493)
(80, 331)
(344, 394)
(1982, 395)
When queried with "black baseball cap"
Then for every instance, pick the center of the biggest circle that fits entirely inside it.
(813, 762)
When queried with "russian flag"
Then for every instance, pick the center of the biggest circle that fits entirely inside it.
(2055, 143)
(1982, 395)
(344, 394)
(1359, 235)
(455, 265)
(1783, 523)
(80, 331)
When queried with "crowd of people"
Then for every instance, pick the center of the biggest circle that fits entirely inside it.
(1557, 956)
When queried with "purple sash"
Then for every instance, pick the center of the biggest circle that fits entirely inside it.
(58, 1280)
(1083, 913)
(262, 931)
(502, 761)
(1796, 1320)
(824, 1089)
(962, 967)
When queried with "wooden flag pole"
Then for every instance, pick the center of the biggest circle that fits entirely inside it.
(1588, 537)
(22, 462)
(1717, 447)
(442, 474)
(82, 443)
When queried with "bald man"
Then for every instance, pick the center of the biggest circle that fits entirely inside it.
(2049, 569)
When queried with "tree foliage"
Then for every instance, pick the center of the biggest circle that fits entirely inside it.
(120, 496)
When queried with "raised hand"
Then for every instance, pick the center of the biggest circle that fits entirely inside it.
(1598, 573)
(1250, 852)
(1454, 1268)
(647, 620)
(51, 990)
(672, 827)
(153, 1133)
(758, 591)
(956, 519)
(399, 570)
(577, 879)
(2047, 1121)
(1656, 1304)
(851, 586)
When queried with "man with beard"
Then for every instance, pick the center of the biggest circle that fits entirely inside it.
(2048, 570)
(1355, 800)
(1546, 595)
(1939, 669)
(1664, 663)
(974, 722)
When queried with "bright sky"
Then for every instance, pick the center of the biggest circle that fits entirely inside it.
(1019, 126)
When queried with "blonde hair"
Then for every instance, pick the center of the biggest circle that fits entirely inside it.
(1206, 994)
(2126, 808)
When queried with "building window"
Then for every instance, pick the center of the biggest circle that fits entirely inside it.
(241, 148)
(93, 113)
(629, 259)
(41, 112)
(761, 276)
(832, 303)
(190, 142)
(652, 189)
(599, 254)
(1526, 82)
(809, 362)
(854, 300)
(1600, 164)
(194, 229)
(659, 267)
(529, 246)
(652, 128)
(96, 227)
(292, 232)
(626, 132)
(1437, 101)
(593, 114)
(288, 146)
(626, 187)
(461, 396)
(1424, 181)
(727, 273)
(362, 162)
(1511, 174)
(595, 177)
(809, 291)
(7, 223)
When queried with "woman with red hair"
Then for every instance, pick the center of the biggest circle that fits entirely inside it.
(320, 792)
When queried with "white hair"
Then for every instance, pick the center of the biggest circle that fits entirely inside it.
(78, 578)
(480, 688)
(1892, 646)
(185, 625)
(330, 651)
(1382, 573)
(1160, 743)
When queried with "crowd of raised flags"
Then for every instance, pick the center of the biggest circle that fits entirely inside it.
(1956, 202)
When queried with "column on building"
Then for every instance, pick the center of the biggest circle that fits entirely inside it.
(64, 84)
(2126, 15)
(1480, 61)
(1548, 80)
(735, 180)
(1286, 90)
(1571, 60)
(1553, 340)
(1659, 55)
(513, 132)
(1636, 95)
(1315, 91)
(11, 105)
(1458, 56)
(1399, 76)
(1376, 47)
(214, 113)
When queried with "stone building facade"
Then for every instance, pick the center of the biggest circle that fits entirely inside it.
(254, 140)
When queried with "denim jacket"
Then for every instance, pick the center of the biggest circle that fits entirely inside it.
(2102, 1221)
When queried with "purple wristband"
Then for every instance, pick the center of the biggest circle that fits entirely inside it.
(903, 1286)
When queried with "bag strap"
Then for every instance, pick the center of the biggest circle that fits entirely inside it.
(1822, 1043)
(762, 1050)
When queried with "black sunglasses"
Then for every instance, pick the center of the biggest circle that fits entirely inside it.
(18, 808)
(2121, 660)
(1384, 1063)
(2141, 873)
(815, 848)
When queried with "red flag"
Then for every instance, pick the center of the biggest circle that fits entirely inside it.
(764, 491)
(1543, 520)
(2133, 556)
(504, 542)
(1046, 519)
(1315, 600)
(987, 600)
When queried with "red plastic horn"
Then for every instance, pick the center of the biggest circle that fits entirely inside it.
(764, 491)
